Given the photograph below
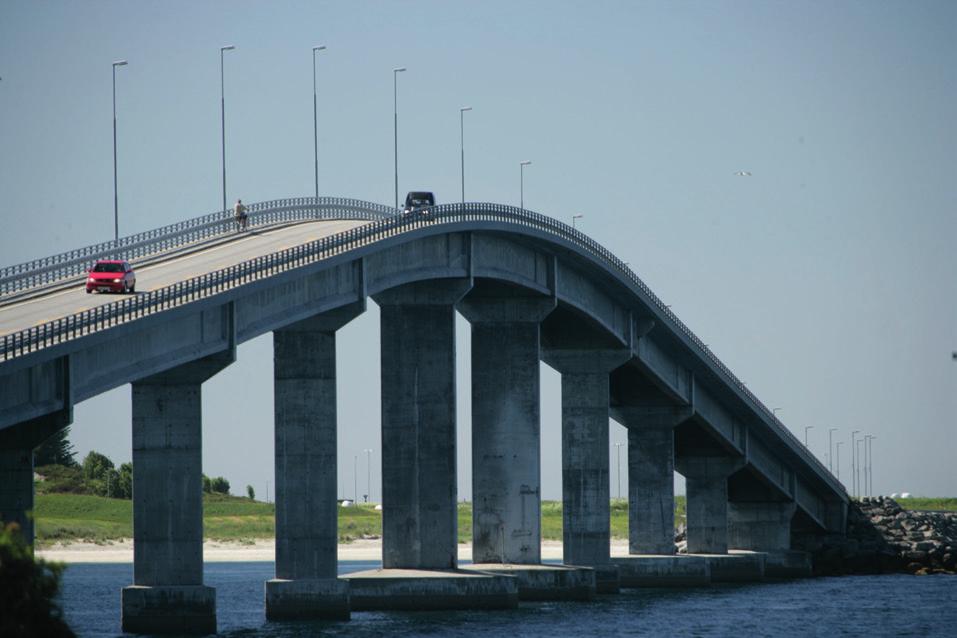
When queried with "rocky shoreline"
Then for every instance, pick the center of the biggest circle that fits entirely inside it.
(883, 538)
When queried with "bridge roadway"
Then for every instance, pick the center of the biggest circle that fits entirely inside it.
(21, 315)
(532, 289)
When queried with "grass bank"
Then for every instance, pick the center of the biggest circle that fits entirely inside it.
(935, 504)
(97, 519)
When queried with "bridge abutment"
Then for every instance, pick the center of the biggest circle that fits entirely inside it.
(306, 583)
(506, 427)
(168, 594)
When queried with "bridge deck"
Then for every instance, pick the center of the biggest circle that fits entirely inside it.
(254, 243)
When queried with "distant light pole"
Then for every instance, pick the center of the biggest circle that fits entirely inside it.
(618, 453)
(315, 119)
(116, 200)
(806, 428)
(521, 183)
(222, 111)
(395, 123)
(830, 448)
(837, 447)
(368, 452)
(860, 479)
(774, 412)
(854, 463)
(462, 111)
(870, 462)
(355, 479)
(575, 218)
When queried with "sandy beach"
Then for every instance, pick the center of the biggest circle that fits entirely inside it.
(259, 550)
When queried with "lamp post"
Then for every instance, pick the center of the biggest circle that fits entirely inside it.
(837, 447)
(854, 463)
(774, 412)
(618, 454)
(395, 123)
(222, 110)
(830, 448)
(315, 119)
(462, 111)
(575, 218)
(116, 201)
(521, 183)
(870, 463)
(806, 428)
(858, 475)
(355, 480)
(368, 452)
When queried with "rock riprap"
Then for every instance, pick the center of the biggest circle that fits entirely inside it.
(882, 537)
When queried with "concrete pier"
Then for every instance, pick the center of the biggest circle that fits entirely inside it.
(706, 483)
(651, 476)
(586, 513)
(168, 595)
(760, 527)
(506, 424)
(17, 444)
(737, 567)
(419, 525)
(306, 583)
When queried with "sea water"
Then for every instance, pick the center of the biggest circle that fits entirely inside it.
(889, 605)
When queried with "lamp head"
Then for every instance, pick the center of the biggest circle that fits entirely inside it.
(465, 108)
(228, 47)
(321, 47)
(119, 63)
(525, 163)
(399, 70)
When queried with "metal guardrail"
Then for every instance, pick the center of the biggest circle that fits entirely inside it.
(56, 268)
(181, 293)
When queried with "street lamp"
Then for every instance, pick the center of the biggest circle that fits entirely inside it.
(368, 452)
(222, 110)
(395, 122)
(860, 482)
(806, 428)
(774, 412)
(574, 218)
(837, 447)
(854, 463)
(315, 119)
(116, 201)
(830, 448)
(355, 480)
(462, 111)
(618, 454)
(521, 184)
(870, 462)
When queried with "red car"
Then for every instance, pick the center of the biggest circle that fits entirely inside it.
(111, 275)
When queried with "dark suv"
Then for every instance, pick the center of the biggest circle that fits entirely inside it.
(418, 202)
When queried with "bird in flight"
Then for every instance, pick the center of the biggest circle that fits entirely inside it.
(743, 173)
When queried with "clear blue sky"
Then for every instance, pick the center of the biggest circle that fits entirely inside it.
(826, 280)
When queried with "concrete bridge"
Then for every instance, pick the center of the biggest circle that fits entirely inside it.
(532, 288)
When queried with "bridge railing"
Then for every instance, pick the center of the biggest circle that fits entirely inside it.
(180, 293)
(74, 263)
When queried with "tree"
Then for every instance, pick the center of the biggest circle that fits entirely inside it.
(28, 590)
(56, 450)
(219, 485)
(99, 473)
(250, 492)
(124, 481)
(207, 484)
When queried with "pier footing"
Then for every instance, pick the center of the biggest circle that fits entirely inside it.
(736, 566)
(306, 598)
(429, 590)
(182, 609)
(545, 582)
(662, 570)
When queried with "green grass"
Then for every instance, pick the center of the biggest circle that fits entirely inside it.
(79, 517)
(919, 503)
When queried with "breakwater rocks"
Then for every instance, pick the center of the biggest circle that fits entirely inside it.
(883, 538)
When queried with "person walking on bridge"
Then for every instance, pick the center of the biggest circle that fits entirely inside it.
(241, 216)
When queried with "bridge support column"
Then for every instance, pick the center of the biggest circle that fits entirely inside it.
(706, 483)
(506, 426)
(168, 595)
(586, 512)
(306, 583)
(17, 444)
(651, 476)
(761, 527)
(419, 526)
